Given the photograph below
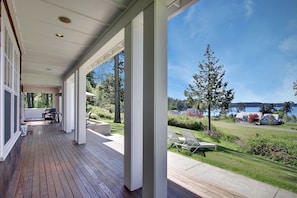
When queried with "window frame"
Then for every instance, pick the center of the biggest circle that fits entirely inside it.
(10, 58)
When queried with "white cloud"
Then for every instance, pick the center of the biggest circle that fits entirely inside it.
(289, 44)
(190, 14)
(244, 94)
(248, 8)
(176, 86)
(181, 73)
(286, 91)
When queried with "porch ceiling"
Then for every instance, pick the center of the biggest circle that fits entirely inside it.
(36, 23)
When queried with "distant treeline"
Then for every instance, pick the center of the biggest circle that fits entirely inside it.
(258, 104)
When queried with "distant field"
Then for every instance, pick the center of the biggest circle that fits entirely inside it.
(244, 131)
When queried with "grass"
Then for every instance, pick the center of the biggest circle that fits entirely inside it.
(252, 166)
(230, 156)
(116, 128)
(291, 126)
(246, 131)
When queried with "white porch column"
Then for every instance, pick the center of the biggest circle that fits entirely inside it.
(65, 107)
(155, 101)
(75, 107)
(133, 104)
(68, 98)
(81, 106)
(55, 100)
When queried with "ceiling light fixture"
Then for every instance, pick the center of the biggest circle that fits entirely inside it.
(64, 19)
(59, 35)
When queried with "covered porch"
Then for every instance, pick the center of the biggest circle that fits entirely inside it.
(51, 165)
(52, 45)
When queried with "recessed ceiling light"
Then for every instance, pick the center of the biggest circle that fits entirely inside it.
(59, 35)
(64, 19)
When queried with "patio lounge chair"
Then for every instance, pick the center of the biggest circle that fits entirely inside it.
(192, 143)
(88, 119)
(173, 139)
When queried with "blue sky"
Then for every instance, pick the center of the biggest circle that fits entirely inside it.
(256, 41)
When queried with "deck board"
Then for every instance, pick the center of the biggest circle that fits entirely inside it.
(52, 165)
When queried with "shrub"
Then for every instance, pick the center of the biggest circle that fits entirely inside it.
(253, 118)
(271, 121)
(187, 122)
(277, 149)
(197, 124)
(288, 118)
(227, 137)
(294, 119)
(98, 113)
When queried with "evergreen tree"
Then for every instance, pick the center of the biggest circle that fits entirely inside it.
(30, 100)
(118, 67)
(46, 96)
(287, 107)
(108, 89)
(208, 86)
(267, 108)
(91, 78)
(240, 107)
(295, 87)
(176, 104)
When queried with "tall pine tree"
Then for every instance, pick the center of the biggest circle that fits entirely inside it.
(208, 87)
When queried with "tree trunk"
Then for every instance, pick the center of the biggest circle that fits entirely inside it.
(117, 112)
(46, 100)
(29, 103)
(209, 118)
(32, 100)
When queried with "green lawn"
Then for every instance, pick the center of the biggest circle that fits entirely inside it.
(244, 131)
(231, 157)
(256, 167)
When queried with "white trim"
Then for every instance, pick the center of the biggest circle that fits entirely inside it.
(1, 86)
(13, 89)
(9, 145)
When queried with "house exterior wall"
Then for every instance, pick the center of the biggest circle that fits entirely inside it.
(9, 87)
(8, 166)
(10, 144)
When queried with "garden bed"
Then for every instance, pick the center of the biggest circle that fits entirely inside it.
(99, 127)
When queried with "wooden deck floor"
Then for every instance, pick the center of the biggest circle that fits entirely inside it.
(51, 165)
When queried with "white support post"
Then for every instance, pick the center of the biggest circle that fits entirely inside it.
(68, 98)
(155, 101)
(55, 101)
(71, 100)
(75, 107)
(133, 104)
(81, 106)
(65, 107)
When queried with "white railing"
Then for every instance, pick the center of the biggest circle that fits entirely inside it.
(33, 113)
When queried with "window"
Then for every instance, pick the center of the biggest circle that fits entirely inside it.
(8, 61)
(9, 87)
(16, 72)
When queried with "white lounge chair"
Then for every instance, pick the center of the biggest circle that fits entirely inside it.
(173, 139)
(192, 143)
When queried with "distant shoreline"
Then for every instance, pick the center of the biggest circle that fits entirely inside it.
(258, 104)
